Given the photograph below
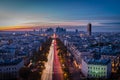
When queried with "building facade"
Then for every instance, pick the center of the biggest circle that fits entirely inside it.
(10, 70)
(92, 68)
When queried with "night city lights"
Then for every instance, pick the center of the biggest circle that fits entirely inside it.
(59, 39)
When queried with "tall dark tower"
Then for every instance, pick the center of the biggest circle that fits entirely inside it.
(89, 29)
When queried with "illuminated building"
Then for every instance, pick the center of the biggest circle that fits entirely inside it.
(96, 68)
(115, 61)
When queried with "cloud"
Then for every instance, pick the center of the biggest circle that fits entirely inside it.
(9, 18)
(111, 23)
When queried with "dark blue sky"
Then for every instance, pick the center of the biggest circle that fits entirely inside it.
(15, 12)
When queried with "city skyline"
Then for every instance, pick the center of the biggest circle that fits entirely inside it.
(59, 39)
(27, 14)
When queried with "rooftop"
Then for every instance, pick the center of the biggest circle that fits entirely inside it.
(8, 62)
(97, 61)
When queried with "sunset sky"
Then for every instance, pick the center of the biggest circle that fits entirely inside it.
(18, 14)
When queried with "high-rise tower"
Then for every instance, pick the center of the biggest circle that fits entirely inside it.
(89, 28)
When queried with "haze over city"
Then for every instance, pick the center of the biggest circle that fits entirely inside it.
(59, 39)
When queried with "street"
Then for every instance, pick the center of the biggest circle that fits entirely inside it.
(53, 69)
(47, 73)
(57, 69)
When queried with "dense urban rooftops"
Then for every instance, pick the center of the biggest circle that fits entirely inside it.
(97, 61)
(9, 62)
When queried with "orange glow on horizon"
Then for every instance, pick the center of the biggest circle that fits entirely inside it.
(31, 26)
(10, 28)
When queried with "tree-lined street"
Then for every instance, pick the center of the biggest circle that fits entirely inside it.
(53, 69)
(57, 69)
(47, 73)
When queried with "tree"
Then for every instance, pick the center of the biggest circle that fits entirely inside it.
(24, 73)
(34, 76)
